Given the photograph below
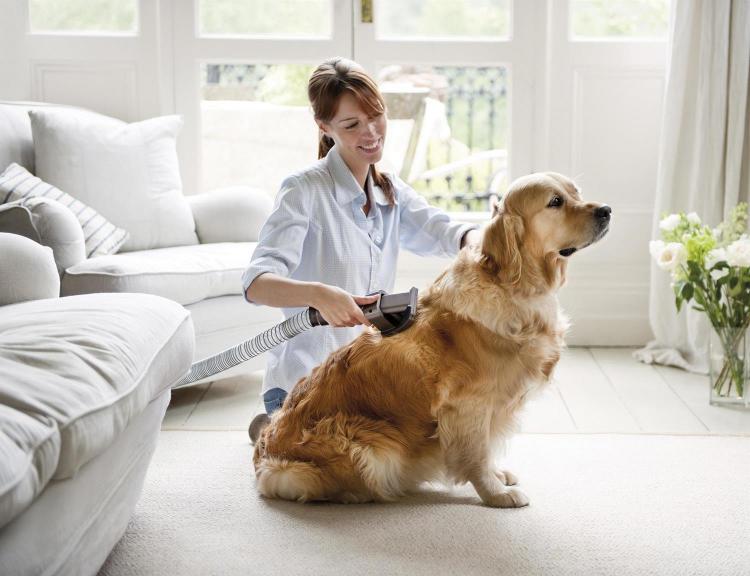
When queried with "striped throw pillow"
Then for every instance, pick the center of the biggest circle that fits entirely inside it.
(102, 237)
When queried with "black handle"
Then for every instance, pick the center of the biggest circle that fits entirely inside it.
(391, 314)
(316, 318)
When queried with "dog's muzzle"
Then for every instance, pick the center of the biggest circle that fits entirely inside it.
(602, 216)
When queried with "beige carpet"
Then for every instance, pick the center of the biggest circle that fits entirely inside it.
(600, 504)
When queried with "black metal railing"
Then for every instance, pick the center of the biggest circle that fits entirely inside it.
(474, 157)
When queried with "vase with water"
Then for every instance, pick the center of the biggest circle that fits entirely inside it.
(729, 366)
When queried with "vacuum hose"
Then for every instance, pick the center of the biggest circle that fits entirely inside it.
(391, 314)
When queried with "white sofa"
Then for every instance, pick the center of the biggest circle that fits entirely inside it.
(203, 277)
(84, 383)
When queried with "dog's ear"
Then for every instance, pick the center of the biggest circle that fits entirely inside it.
(501, 255)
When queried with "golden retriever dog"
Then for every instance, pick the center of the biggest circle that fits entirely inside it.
(382, 415)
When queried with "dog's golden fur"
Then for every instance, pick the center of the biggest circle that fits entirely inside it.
(381, 415)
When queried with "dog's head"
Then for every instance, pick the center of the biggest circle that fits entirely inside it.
(540, 223)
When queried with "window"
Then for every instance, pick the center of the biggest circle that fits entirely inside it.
(443, 19)
(84, 16)
(249, 114)
(459, 152)
(619, 19)
(277, 18)
(256, 124)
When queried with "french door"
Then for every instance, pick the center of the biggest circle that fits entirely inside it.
(603, 87)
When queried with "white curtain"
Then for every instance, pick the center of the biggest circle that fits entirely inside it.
(704, 163)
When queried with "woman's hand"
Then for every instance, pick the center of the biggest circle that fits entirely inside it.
(338, 307)
(471, 238)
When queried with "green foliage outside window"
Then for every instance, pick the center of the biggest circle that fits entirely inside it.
(265, 17)
(83, 15)
(435, 18)
(620, 18)
(284, 84)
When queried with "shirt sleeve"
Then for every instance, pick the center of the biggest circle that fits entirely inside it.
(282, 236)
(424, 229)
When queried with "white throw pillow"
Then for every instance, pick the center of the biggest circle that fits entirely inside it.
(128, 172)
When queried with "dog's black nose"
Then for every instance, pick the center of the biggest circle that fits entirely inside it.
(603, 212)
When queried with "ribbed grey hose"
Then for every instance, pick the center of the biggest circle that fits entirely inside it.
(272, 337)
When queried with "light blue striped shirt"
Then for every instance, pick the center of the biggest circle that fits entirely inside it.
(318, 232)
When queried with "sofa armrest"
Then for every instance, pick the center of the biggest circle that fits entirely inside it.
(27, 270)
(48, 222)
(15, 218)
(233, 214)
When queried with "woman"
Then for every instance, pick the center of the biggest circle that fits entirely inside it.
(336, 229)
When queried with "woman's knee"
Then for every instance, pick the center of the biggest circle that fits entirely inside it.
(273, 399)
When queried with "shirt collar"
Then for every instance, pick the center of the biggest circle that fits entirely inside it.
(378, 194)
(346, 185)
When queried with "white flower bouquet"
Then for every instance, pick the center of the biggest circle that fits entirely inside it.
(711, 269)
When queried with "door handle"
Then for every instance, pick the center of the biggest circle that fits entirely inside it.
(366, 11)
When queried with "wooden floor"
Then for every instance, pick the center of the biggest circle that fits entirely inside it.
(595, 390)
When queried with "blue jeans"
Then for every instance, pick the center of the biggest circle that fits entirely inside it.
(273, 399)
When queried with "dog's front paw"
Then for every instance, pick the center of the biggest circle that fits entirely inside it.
(506, 477)
(510, 498)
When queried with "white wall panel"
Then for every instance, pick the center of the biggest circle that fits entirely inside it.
(616, 130)
(106, 87)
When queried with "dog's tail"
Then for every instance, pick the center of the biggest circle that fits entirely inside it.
(354, 471)
(289, 479)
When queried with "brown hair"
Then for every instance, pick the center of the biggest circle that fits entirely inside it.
(327, 83)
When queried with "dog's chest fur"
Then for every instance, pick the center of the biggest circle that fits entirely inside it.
(520, 337)
(529, 340)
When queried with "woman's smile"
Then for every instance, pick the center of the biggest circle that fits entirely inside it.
(372, 147)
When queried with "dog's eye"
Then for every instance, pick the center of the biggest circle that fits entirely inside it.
(556, 202)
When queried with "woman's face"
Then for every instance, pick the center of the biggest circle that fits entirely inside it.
(358, 136)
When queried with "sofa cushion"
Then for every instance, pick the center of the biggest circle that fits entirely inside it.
(16, 144)
(73, 373)
(185, 274)
(100, 236)
(128, 172)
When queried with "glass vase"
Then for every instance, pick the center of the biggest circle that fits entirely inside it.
(729, 366)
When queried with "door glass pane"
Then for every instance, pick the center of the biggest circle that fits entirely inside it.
(419, 19)
(278, 18)
(620, 18)
(448, 131)
(107, 16)
(257, 126)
